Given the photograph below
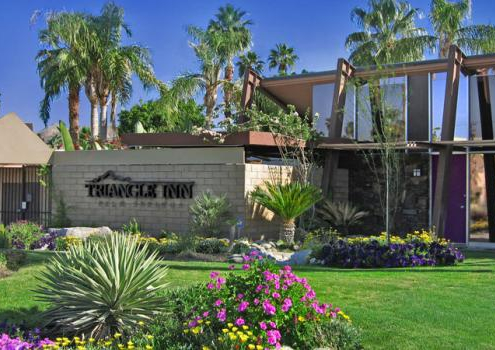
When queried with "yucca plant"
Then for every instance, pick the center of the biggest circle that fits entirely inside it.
(288, 201)
(209, 212)
(340, 215)
(102, 287)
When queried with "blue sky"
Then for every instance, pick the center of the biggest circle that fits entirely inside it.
(317, 30)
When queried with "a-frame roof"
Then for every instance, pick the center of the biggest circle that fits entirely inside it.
(19, 144)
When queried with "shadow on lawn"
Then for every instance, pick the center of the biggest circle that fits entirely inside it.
(23, 317)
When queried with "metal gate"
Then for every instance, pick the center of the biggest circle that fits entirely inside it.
(24, 194)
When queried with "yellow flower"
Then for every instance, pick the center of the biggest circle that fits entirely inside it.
(243, 338)
(225, 330)
(196, 330)
(91, 340)
(259, 347)
(245, 327)
(149, 347)
(207, 323)
(141, 323)
(251, 346)
(230, 325)
(301, 319)
(186, 331)
(200, 321)
(234, 329)
(205, 347)
(149, 337)
(117, 335)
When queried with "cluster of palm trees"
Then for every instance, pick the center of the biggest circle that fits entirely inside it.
(85, 52)
(389, 34)
(226, 38)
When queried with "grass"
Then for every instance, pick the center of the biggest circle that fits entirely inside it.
(414, 308)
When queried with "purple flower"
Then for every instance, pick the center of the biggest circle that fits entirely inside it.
(245, 267)
(222, 315)
(263, 326)
(273, 336)
(214, 275)
(269, 308)
(276, 295)
(210, 285)
(239, 321)
(243, 306)
(218, 303)
(206, 313)
(287, 304)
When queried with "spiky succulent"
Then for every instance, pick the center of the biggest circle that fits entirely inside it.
(102, 287)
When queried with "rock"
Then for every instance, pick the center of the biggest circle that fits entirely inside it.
(236, 258)
(300, 257)
(81, 232)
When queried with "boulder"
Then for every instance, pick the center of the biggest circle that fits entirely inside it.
(81, 232)
(236, 258)
(300, 257)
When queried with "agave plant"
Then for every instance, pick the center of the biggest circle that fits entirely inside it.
(340, 215)
(288, 201)
(102, 287)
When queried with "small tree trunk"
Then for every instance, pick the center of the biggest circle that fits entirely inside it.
(74, 114)
(103, 118)
(112, 134)
(288, 231)
(210, 101)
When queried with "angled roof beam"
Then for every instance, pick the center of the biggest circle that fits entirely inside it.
(344, 72)
(455, 62)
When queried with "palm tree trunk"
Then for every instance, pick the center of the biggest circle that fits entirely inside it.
(95, 120)
(74, 114)
(287, 231)
(90, 90)
(113, 118)
(210, 101)
(103, 117)
(227, 88)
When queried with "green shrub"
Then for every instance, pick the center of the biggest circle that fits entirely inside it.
(24, 234)
(61, 217)
(4, 238)
(3, 261)
(341, 215)
(209, 214)
(132, 228)
(212, 246)
(319, 237)
(240, 247)
(15, 259)
(102, 286)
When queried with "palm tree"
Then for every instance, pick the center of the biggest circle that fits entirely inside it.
(340, 215)
(231, 30)
(208, 79)
(288, 201)
(283, 58)
(388, 34)
(63, 64)
(248, 61)
(447, 19)
(115, 64)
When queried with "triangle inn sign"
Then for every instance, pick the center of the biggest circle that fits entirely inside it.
(125, 187)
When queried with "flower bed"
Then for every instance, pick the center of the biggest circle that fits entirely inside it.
(263, 307)
(416, 249)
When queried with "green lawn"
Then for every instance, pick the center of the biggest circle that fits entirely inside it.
(419, 308)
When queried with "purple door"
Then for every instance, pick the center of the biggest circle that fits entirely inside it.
(455, 224)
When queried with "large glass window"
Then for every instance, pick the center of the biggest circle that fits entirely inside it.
(474, 104)
(438, 82)
(322, 104)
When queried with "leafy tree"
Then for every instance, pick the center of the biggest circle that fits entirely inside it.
(250, 60)
(283, 58)
(63, 63)
(231, 30)
(448, 20)
(158, 116)
(388, 34)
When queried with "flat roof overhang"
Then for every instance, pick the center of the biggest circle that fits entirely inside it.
(298, 89)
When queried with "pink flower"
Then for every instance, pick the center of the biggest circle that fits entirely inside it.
(205, 314)
(287, 304)
(269, 308)
(231, 267)
(246, 258)
(222, 315)
(273, 336)
(210, 285)
(254, 253)
(245, 267)
(263, 326)
(240, 296)
(218, 303)
(276, 295)
(256, 301)
(272, 324)
(214, 275)
(243, 306)
(239, 321)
